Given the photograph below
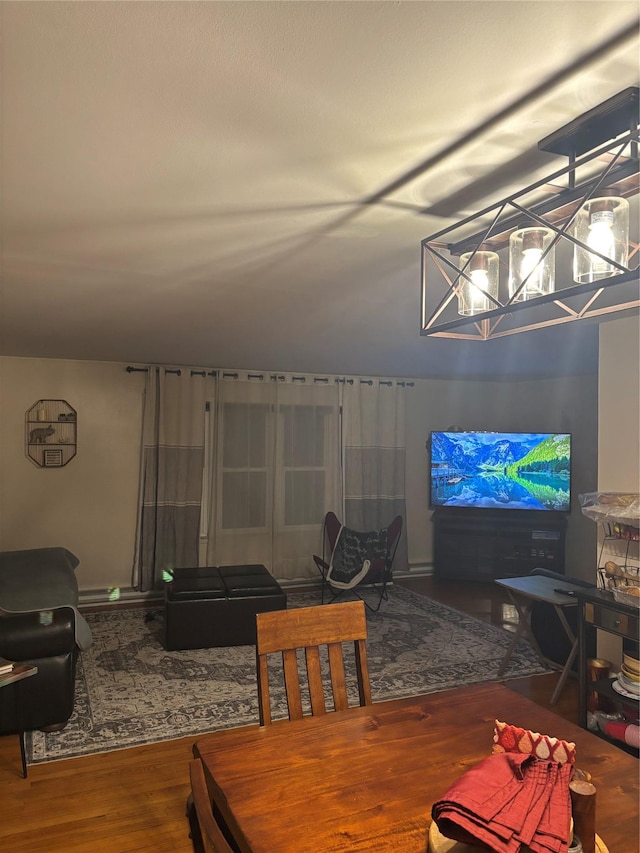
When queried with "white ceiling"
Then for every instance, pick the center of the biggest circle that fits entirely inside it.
(185, 182)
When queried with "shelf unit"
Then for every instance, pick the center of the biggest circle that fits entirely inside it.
(51, 433)
(481, 547)
(619, 542)
(599, 610)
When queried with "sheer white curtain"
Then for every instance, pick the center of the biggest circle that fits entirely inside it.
(374, 456)
(275, 470)
(172, 460)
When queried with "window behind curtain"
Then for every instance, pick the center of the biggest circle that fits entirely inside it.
(275, 474)
(298, 470)
(244, 466)
(304, 459)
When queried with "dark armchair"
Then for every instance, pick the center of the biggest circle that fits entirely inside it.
(46, 639)
(40, 624)
(357, 559)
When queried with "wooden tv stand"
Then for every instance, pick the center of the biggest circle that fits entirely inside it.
(484, 545)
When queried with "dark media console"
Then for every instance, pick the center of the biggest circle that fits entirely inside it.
(481, 546)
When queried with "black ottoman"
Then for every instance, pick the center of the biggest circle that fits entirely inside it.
(209, 607)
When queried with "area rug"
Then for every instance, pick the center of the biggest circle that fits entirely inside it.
(130, 691)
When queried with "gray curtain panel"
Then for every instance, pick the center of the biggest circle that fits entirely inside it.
(172, 462)
(374, 458)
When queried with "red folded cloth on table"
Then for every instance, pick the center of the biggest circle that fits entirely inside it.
(509, 800)
(508, 738)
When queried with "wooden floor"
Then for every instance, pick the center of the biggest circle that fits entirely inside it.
(134, 799)
(488, 602)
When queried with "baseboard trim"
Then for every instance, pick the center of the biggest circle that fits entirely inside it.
(418, 570)
(93, 597)
(127, 597)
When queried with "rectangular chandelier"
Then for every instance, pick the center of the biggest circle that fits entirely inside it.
(555, 252)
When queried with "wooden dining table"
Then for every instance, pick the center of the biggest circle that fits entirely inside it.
(365, 779)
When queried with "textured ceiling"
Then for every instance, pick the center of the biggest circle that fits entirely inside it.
(236, 184)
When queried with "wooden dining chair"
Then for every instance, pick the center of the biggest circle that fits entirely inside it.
(309, 628)
(213, 841)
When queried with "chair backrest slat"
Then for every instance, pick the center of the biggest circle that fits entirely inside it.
(308, 628)
(314, 675)
(338, 678)
(213, 839)
(362, 669)
(292, 683)
(264, 699)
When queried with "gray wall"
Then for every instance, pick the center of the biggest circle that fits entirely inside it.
(89, 506)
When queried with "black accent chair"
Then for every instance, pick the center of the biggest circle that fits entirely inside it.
(547, 629)
(352, 559)
(47, 640)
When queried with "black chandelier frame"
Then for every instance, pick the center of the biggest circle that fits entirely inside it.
(554, 207)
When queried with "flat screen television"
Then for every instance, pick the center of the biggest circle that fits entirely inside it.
(501, 470)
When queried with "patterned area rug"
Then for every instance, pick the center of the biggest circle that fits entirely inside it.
(130, 691)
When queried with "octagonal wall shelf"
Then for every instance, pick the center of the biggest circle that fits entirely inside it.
(51, 433)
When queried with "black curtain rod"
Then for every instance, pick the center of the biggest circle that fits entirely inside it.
(177, 372)
(274, 377)
(371, 382)
(130, 369)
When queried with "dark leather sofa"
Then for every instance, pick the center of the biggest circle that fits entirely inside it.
(47, 698)
(40, 624)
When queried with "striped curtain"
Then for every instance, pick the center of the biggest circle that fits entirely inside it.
(373, 412)
(172, 462)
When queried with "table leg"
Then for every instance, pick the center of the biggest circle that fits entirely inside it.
(583, 637)
(572, 655)
(564, 674)
(523, 626)
(23, 755)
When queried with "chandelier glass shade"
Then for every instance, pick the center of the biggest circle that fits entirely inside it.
(557, 251)
(532, 263)
(478, 289)
(603, 225)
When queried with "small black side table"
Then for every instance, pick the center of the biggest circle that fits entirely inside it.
(18, 673)
(524, 592)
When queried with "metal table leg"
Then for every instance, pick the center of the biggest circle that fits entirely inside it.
(18, 703)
